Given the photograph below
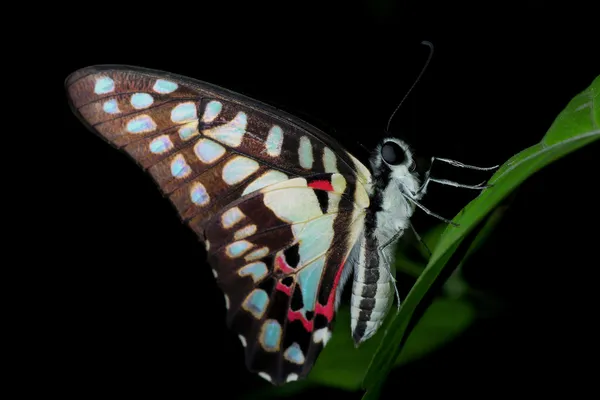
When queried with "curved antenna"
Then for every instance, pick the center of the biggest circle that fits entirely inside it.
(430, 45)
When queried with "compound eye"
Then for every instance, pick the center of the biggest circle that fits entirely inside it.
(392, 153)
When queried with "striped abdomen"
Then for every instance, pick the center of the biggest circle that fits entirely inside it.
(372, 291)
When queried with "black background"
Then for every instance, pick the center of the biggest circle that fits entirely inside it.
(144, 314)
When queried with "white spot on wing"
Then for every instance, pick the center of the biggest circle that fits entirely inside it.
(104, 85)
(208, 151)
(287, 206)
(237, 249)
(237, 169)
(257, 254)
(141, 100)
(161, 144)
(256, 303)
(188, 130)
(274, 141)
(199, 195)
(257, 270)
(338, 182)
(111, 107)
(294, 354)
(227, 302)
(184, 112)
(270, 335)
(179, 167)
(141, 124)
(322, 335)
(232, 217)
(164, 87)
(329, 160)
(292, 377)
(230, 133)
(212, 111)
(305, 153)
(243, 340)
(265, 376)
(244, 232)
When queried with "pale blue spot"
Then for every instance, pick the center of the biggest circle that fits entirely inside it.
(212, 111)
(179, 167)
(160, 145)
(274, 141)
(238, 169)
(257, 270)
(256, 254)
(111, 107)
(309, 278)
(141, 100)
(294, 354)
(244, 232)
(162, 86)
(141, 124)
(329, 161)
(184, 112)
(188, 131)
(230, 133)
(232, 217)
(305, 153)
(208, 151)
(238, 248)
(271, 335)
(104, 85)
(199, 195)
(256, 302)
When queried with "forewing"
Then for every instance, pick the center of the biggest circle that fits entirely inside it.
(204, 146)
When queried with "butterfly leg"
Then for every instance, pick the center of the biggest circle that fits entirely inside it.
(461, 165)
(392, 278)
(454, 163)
(427, 211)
(480, 186)
(420, 239)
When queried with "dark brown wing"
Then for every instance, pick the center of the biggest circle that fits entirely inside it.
(205, 146)
(277, 203)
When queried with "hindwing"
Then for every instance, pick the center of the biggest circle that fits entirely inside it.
(278, 255)
(278, 203)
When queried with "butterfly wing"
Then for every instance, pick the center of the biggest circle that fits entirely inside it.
(212, 152)
(278, 255)
(204, 146)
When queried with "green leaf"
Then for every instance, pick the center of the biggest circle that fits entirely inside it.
(456, 286)
(443, 321)
(576, 126)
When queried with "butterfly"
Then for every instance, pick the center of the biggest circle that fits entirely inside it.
(286, 214)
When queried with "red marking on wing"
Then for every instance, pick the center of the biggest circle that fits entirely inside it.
(328, 309)
(294, 315)
(282, 288)
(283, 266)
(322, 185)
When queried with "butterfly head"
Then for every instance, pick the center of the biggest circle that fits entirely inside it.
(394, 166)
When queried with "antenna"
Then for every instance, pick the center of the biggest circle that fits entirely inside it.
(430, 45)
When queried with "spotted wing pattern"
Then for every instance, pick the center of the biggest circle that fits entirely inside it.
(278, 203)
(279, 255)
